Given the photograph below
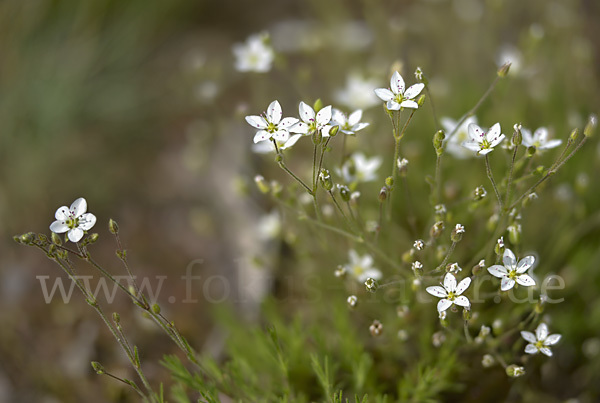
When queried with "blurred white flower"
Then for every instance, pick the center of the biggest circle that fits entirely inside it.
(454, 143)
(539, 139)
(540, 341)
(255, 54)
(311, 121)
(396, 97)
(270, 125)
(512, 271)
(358, 93)
(359, 168)
(73, 220)
(510, 54)
(348, 124)
(269, 226)
(450, 293)
(361, 267)
(483, 142)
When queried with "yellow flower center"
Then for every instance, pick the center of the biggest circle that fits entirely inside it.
(451, 296)
(72, 222)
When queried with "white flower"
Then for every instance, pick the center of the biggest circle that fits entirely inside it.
(419, 244)
(286, 141)
(269, 226)
(359, 168)
(539, 139)
(361, 267)
(358, 93)
(483, 142)
(348, 124)
(450, 292)
(396, 97)
(74, 220)
(512, 271)
(454, 268)
(271, 126)
(254, 55)
(311, 122)
(540, 341)
(454, 144)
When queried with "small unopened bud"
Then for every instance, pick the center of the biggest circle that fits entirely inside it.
(503, 70)
(92, 238)
(383, 194)
(466, 314)
(352, 301)
(156, 308)
(317, 137)
(27, 238)
(479, 193)
(438, 142)
(334, 131)
(325, 178)
(574, 134)
(402, 166)
(318, 105)
(591, 125)
(487, 361)
(376, 328)
(457, 233)
(499, 248)
(517, 137)
(340, 271)
(531, 150)
(437, 229)
(421, 100)
(113, 227)
(98, 367)
(344, 192)
(116, 317)
(389, 182)
(515, 371)
(371, 284)
(261, 184)
(514, 234)
(56, 239)
(478, 268)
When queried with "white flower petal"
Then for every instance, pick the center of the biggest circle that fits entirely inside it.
(485, 151)
(507, 284)
(471, 145)
(552, 339)
(527, 138)
(525, 280)
(299, 127)
(75, 235)
(531, 349)
(256, 121)
(355, 117)
(414, 90)
(542, 331)
(462, 301)
(384, 94)
(359, 126)
(397, 83)
(291, 141)
(494, 141)
(475, 133)
(78, 207)
(498, 271)
(525, 263)
(437, 291)
(372, 273)
(541, 135)
(59, 227)
(324, 116)
(338, 117)
(274, 112)
(493, 133)
(286, 123)
(450, 282)
(550, 144)
(547, 351)
(281, 135)
(307, 113)
(528, 336)
(409, 104)
(262, 135)
(443, 304)
(62, 213)
(87, 221)
(392, 105)
(509, 259)
(463, 285)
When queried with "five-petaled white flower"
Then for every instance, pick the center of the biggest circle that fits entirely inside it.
(312, 122)
(540, 341)
(359, 168)
(348, 124)
(396, 97)
(483, 142)
(512, 271)
(454, 144)
(271, 126)
(450, 292)
(539, 139)
(361, 267)
(254, 55)
(358, 93)
(74, 220)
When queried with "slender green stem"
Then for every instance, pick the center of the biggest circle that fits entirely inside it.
(467, 334)
(438, 179)
(491, 177)
(131, 384)
(442, 265)
(286, 169)
(314, 168)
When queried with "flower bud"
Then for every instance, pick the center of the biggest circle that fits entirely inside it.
(466, 314)
(417, 268)
(156, 308)
(344, 192)
(352, 301)
(487, 361)
(514, 234)
(591, 125)
(457, 233)
(499, 248)
(402, 166)
(376, 328)
(421, 100)
(325, 178)
(440, 212)
(113, 227)
(478, 268)
(317, 137)
(371, 284)
(503, 70)
(438, 142)
(419, 244)
(531, 151)
(437, 229)
(98, 367)
(92, 238)
(389, 182)
(334, 131)
(318, 105)
(261, 184)
(278, 158)
(383, 194)
(420, 76)
(514, 371)
(56, 239)
(27, 238)
(479, 193)
(517, 137)
(573, 136)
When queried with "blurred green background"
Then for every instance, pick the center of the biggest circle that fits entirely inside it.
(137, 107)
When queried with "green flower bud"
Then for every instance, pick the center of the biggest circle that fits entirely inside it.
(514, 234)
(438, 142)
(261, 184)
(156, 308)
(98, 367)
(389, 182)
(371, 285)
(92, 238)
(113, 227)
(344, 192)
(517, 137)
(478, 268)
(514, 371)
(317, 137)
(28, 238)
(421, 100)
(574, 134)
(591, 125)
(437, 229)
(56, 239)
(402, 166)
(457, 233)
(466, 314)
(529, 199)
(318, 105)
(499, 248)
(325, 179)
(383, 194)
(334, 131)
(503, 71)
(531, 151)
